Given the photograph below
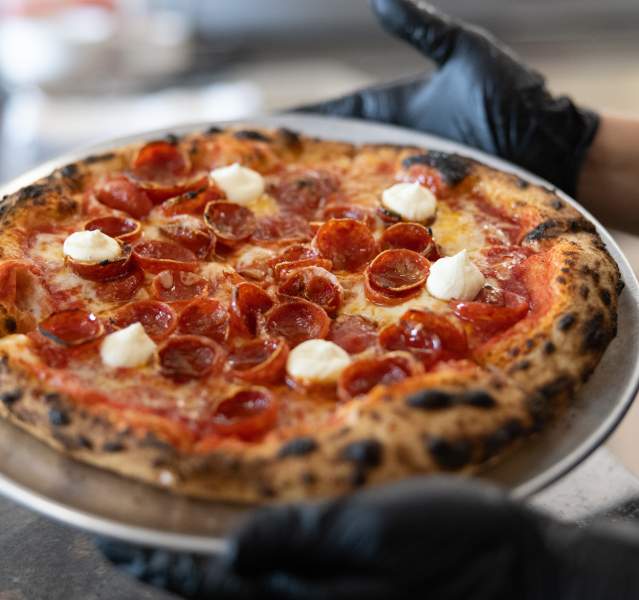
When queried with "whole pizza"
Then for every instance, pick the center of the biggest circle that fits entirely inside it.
(251, 315)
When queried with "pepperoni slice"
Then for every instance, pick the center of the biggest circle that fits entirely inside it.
(71, 327)
(122, 289)
(177, 286)
(247, 415)
(282, 270)
(363, 375)
(316, 285)
(248, 303)
(500, 261)
(158, 319)
(102, 271)
(185, 357)
(206, 317)
(489, 319)
(282, 229)
(423, 344)
(155, 256)
(193, 202)
(303, 193)
(397, 271)
(160, 160)
(349, 211)
(295, 252)
(122, 194)
(353, 333)
(349, 244)
(260, 361)
(386, 297)
(297, 321)
(193, 237)
(453, 339)
(411, 236)
(230, 222)
(120, 228)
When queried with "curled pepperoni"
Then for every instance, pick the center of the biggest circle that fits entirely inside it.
(160, 160)
(347, 243)
(489, 319)
(185, 357)
(397, 271)
(305, 192)
(294, 253)
(177, 286)
(282, 229)
(297, 321)
(260, 361)
(411, 236)
(423, 344)
(155, 256)
(353, 333)
(158, 319)
(282, 270)
(349, 211)
(453, 339)
(316, 285)
(105, 270)
(122, 194)
(248, 303)
(206, 317)
(247, 415)
(71, 327)
(388, 298)
(120, 228)
(122, 289)
(230, 222)
(193, 202)
(193, 237)
(363, 375)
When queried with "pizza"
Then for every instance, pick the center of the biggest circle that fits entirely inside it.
(254, 314)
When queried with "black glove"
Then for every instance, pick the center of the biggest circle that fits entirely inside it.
(481, 95)
(435, 538)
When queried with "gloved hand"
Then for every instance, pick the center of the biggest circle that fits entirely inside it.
(435, 538)
(481, 95)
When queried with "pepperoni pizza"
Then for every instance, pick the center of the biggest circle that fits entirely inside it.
(254, 314)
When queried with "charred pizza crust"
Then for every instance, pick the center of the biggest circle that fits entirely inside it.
(454, 418)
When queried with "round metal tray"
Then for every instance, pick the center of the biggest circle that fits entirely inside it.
(104, 503)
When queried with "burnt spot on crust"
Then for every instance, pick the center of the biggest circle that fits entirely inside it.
(291, 138)
(502, 437)
(58, 417)
(449, 454)
(66, 206)
(619, 286)
(477, 398)
(522, 365)
(430, 399)
(557, 204)
(549, 348)
(113, 446)
(605, 296)
(553, 228)
(69, 171)
(366, 453)
(595, 333)
(213, 130)
(250, 134)
(522, 184)
(172, 139)
(297, 447)
(584, 291)
(565, 322)
(452, 167)
(11, 397)
(96, 158)
(32, 192)
(10, 324)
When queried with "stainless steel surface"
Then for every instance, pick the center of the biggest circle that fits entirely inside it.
(101, 502)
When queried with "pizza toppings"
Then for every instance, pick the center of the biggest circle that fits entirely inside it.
(247, 415)
(411, 201)
(397, 271)
(207, 317)
(91, 247)
(121, 289)
(158, 319)
(347, 243)
(353, 333)
(122, 194)
(249, 302)
(159, 161)
(185, 357)
(297, 322)
(455, 277)
(71, 327)
(349, 211)
(156, 256)
(363, 375)
(191, 235)
(177, 286)
(304, 192)
(191, 203)
(240, 184)
(282, 229)
(411, 236)
(230, 222)
(317, 362)
(123, 229)
(488, 319)
(259, 361)
(316, 285)
(129, 347)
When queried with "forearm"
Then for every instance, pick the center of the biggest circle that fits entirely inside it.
(609, 181)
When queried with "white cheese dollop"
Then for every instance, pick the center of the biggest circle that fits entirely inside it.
(240, 184)
(317, 362)
(91, 246)
(411, 201)
(128, 347)
(454, 277)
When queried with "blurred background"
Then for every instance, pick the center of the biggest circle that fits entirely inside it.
(77, 71)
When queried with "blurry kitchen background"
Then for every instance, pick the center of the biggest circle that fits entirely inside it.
(73, 72)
